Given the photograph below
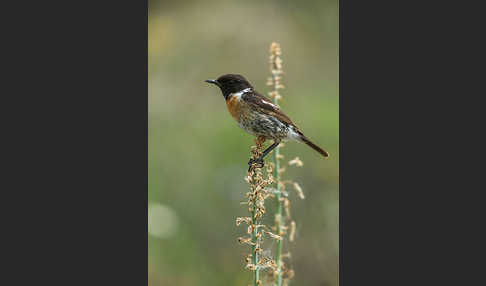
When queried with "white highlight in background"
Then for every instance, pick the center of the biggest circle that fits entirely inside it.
(162, 220)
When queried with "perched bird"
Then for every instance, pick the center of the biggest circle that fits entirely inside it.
(257, 115)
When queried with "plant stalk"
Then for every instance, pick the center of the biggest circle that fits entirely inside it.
(254, 256)
(254, 238)
(278, 213)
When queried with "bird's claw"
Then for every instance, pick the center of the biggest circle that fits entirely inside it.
(259, 163)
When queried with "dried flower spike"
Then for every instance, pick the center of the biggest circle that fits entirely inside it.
(299, 190)
(274, 236)
(292, 231)
(296, 162)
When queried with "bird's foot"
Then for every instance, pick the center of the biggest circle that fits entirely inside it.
(257, 163)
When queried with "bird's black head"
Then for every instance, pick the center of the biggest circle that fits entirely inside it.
(230, 83)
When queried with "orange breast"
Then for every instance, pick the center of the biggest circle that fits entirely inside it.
(234, 107)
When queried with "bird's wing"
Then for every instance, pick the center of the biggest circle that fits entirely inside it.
(266, 106)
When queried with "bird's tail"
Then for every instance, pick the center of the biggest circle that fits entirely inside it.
(314, 146)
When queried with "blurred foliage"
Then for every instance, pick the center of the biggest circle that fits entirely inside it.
(197, 154)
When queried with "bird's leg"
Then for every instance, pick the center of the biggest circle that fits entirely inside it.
(269, 149)
(265, 153)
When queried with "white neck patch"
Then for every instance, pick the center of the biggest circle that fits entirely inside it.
(240, 93)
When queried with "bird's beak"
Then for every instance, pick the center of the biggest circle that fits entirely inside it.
(213, 81)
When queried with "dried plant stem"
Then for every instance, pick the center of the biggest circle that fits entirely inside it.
(254, 246)
(278, 217)
(254, 238)
(256, 200)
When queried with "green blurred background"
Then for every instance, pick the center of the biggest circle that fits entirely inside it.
(198, 156)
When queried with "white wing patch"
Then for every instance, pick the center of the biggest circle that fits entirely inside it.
(264, 102)
(270, 104)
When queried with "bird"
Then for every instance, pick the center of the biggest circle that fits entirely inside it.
(258, 115)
